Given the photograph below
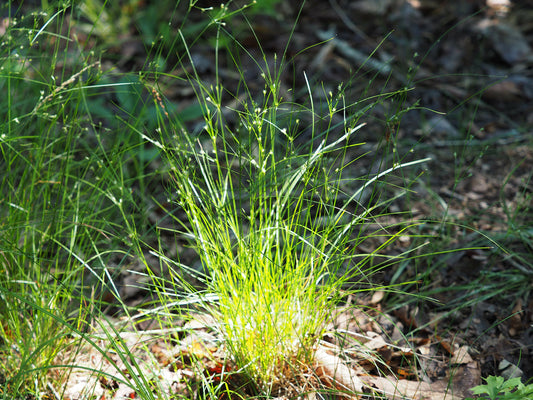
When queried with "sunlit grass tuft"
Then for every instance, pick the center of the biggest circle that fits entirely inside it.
(274, 229)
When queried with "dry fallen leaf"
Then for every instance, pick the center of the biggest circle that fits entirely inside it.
(461, 356)
(396, 389)
(335, 373)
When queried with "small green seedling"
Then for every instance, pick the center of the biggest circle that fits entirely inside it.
(497, 388)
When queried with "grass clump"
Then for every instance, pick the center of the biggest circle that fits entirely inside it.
(273, 225)
(65, 197)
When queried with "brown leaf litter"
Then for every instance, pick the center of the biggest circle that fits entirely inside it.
(364, 354)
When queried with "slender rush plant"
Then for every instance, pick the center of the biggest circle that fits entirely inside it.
(64, 189)
(276, 234)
